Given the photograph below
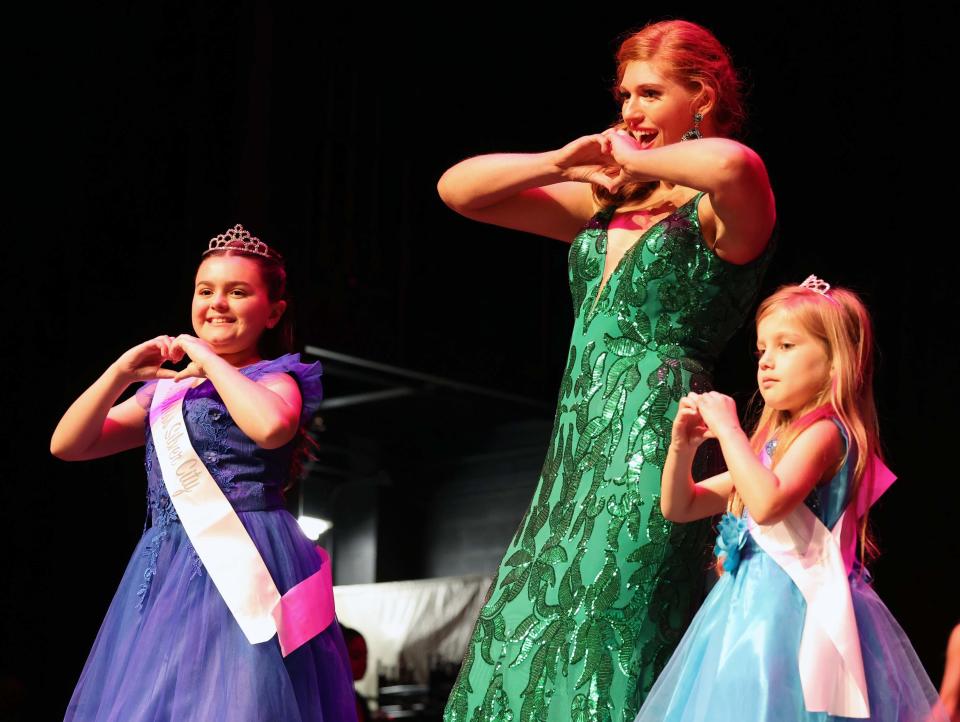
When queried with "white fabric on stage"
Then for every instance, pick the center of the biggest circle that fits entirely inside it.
(411, 621)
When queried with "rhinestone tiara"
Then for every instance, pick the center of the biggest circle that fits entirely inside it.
(817, 285)
(238, 238)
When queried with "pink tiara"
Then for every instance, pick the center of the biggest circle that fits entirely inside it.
(817, 285)
(238, 238)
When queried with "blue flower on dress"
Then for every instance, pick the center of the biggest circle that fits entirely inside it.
(730, 540)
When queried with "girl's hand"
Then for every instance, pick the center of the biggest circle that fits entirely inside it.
(198, 351)
(145, 361)
(719, 412)
(588, 160)
(689, 430)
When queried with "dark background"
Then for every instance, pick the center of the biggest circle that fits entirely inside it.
(136, 133)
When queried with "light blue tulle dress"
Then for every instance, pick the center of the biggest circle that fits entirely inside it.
(738, 661)
(169, 649)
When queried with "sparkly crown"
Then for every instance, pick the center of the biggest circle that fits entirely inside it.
(817, 285)
(238, 238)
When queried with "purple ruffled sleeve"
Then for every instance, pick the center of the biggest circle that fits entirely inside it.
(144, 394)
(306, 375)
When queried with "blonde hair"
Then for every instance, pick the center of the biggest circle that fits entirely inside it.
(841, 323)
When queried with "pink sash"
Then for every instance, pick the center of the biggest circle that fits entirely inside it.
(223, 544)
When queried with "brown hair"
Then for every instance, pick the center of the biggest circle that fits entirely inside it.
(279, 340)
(693, 57)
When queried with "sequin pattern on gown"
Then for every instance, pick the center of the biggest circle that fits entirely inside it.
(597, 587)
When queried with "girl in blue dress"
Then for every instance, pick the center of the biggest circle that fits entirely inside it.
(792, 631)
(175, 644)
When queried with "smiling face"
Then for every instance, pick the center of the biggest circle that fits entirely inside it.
(794, 368)
(231, 305)
(656, 110)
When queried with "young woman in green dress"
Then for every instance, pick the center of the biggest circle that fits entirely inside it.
(670, 223)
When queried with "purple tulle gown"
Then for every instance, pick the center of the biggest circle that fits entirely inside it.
(169, 650)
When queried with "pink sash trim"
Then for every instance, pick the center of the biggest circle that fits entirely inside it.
(818, 561)
(876, 481)
(221, 541)
(306, 609)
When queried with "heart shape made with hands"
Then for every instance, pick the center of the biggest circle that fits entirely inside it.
(147, 360)
(702, 416)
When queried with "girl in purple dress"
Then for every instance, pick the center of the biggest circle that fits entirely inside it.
(176, 643)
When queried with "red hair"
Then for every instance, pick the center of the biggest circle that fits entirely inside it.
(690, 55)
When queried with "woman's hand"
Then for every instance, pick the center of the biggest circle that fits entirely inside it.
(199, 353)
(689, 430)
(719, 413)
(588, 160)
(622, 147)
(144, 362)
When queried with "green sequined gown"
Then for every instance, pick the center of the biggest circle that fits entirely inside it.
(597, 588)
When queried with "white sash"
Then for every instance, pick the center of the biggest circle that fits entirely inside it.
(818, 561)
(223, 544)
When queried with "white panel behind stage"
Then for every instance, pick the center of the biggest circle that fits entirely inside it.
(411, 622)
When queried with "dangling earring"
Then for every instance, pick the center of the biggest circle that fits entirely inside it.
(694, 132)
